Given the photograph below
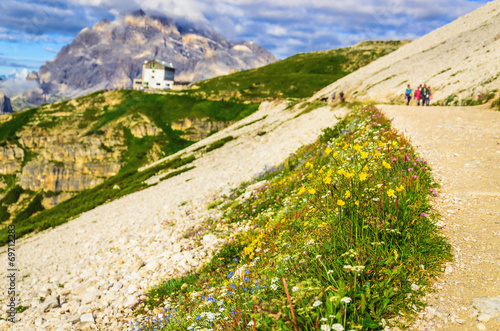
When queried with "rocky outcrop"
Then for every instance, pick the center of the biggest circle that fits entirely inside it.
(33, 76)
(52, 201)
(145, 129)
(109, 54)
(11, 158)
(5, 105)
(196, 129)
(48, 176)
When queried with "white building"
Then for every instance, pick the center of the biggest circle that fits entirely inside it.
(155, 74)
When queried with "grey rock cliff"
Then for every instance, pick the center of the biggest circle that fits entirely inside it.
(110, 54)
(5, 106)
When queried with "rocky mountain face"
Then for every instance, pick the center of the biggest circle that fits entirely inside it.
(5, 105)
(111, 54)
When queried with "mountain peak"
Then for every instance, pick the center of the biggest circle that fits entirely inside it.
(111, 54)
(138, 13)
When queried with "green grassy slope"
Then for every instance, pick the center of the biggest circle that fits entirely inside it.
(105, 116)
(298, 76)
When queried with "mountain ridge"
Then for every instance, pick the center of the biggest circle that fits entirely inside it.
(111, 53)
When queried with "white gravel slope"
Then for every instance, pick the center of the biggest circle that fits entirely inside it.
(461, 58)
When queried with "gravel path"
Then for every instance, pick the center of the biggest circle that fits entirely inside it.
(463, 147)
(81, 275)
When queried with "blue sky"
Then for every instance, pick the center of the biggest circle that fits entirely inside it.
(33, 31)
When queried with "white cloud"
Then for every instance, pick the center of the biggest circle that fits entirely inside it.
(50, 49)
(17, 84)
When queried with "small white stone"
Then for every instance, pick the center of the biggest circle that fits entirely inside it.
(481, 326)
(132, 289)
(484, 318)
(87, 318)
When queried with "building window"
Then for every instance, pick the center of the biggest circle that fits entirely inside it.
(153, 77)
(153, 71)
(157, 84)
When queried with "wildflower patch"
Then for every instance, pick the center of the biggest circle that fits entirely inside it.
(341, 238)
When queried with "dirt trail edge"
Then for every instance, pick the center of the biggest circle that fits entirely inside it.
(462, 145)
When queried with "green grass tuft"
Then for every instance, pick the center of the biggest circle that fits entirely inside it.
(219, 143)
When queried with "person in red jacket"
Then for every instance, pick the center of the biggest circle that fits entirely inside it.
(417, 94)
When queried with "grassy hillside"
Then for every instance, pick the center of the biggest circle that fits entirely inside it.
(103, 138)
(298, 76)
(340, 237)
(98, 130)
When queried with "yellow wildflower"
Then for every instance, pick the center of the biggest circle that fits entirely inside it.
(357, 203)
(327, 180)
(310, 176)
(363, 176)
(381, 144)
(311, 191)
(306, 223)
(386, 165)
(357, 147)
(341, 171)
(347, 194)
(348, 175)
(328, 150)
(309, 165)
(364, 155)
(302, 190)
(365, 168)
(329, 173)
(394, 143)
(335, 154)
(390, 192)
(346, 145)
(340, 202)
(400, 188)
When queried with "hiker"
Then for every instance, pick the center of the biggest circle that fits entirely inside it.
(408, 95)
(417, 94)
(341, 95)
(423, 94)
(333, 96)
(428, 96)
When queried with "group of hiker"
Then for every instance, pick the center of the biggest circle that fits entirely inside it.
(341, 96)
(422, 95)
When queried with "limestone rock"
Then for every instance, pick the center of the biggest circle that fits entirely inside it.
(11, 158)
(5, 105)
(488, 306)
(196, 129)
(87, 318)
(50, 304)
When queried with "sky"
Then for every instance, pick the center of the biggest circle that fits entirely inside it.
(33, 31)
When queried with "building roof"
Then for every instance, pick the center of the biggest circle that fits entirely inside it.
(166, 64)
